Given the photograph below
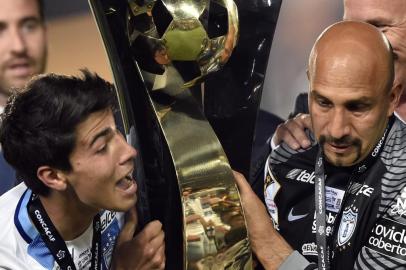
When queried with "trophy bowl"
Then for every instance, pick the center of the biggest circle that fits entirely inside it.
(200, 33)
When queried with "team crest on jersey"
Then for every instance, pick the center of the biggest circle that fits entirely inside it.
(347, 225)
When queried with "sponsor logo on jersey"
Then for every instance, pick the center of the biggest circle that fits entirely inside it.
(309, 249)
(330, 218)
(292, 217)
(361, 189)
(84, 259)
(272, 188)
(347, 225)
(334, 198)
(301, 175)
(389, 237)
(365, 190)
(292, 174)
(399, 208)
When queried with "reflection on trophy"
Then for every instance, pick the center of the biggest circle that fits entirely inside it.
(165, 56)
(183, 38)
(214, 223)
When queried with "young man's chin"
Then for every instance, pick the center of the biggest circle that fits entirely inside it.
(125, 205)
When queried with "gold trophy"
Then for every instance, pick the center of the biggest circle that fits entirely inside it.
(161, 53)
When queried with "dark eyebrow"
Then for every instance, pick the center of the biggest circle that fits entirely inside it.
(361, 100)
(24, 20)
(104, 133)
(30, 19)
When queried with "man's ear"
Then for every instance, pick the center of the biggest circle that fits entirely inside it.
(394, 97)
(52, 178)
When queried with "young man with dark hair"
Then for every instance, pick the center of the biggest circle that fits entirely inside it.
(60, 136)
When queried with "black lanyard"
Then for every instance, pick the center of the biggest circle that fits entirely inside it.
(320, 196)
(54, 241)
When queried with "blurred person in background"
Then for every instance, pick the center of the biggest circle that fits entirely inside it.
(23, 53)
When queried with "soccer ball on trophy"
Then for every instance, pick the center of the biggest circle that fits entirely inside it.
(164, 34)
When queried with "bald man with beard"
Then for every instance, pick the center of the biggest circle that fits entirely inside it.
(391, 20)
(340, 203)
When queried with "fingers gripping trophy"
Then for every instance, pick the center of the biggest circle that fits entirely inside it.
(162, 54)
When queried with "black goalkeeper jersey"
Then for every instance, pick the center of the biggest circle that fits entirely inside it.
(365, 219)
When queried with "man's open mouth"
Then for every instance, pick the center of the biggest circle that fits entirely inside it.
(126, 182)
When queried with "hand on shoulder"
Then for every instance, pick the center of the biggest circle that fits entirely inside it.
(292, 132)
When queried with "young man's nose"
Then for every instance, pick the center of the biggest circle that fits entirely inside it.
(128, 152)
